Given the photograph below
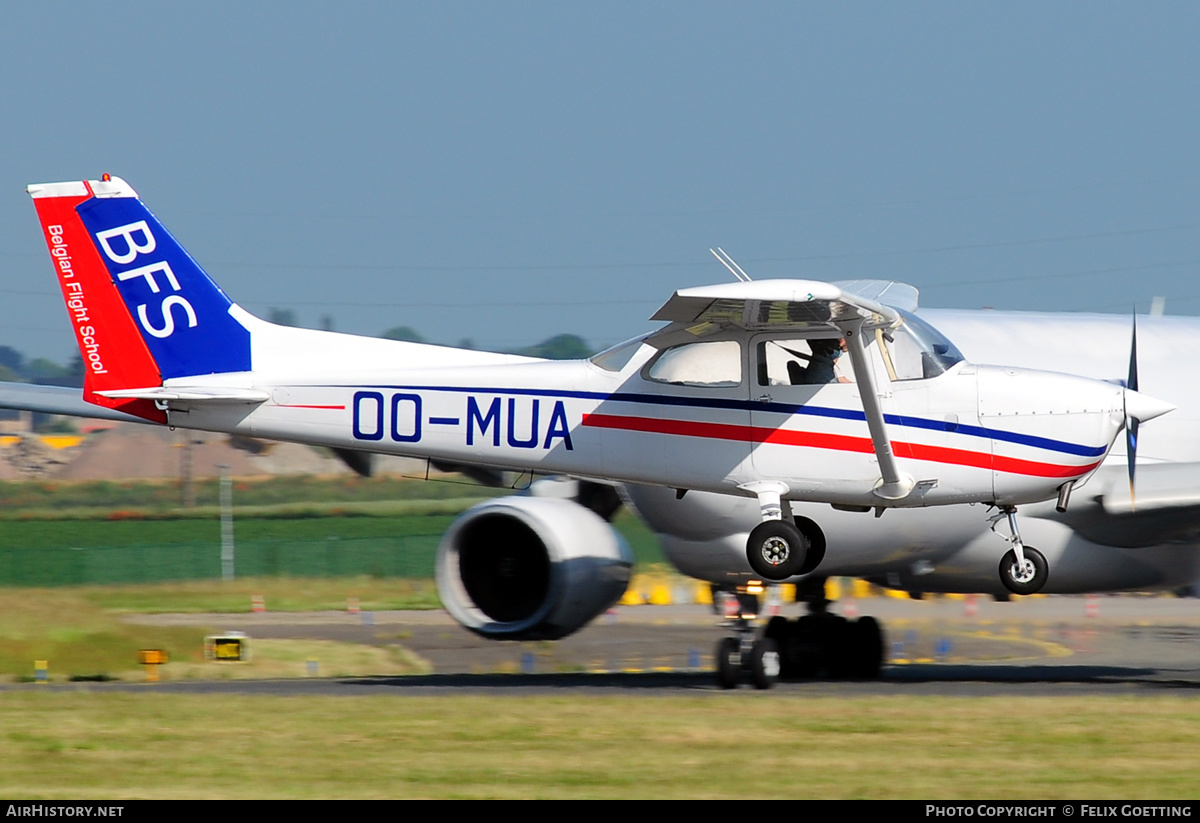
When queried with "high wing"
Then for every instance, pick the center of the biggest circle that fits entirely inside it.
(809, 308)
(778, 305)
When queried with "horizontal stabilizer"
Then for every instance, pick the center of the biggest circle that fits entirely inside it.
(165, 394)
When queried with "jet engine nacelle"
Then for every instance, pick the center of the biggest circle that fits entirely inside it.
(531, 568)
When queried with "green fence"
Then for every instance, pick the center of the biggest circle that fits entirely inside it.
(404, 556)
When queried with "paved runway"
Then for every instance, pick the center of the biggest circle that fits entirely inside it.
(1035, 646)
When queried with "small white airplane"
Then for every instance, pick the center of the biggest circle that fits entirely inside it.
(1108, 540)
(741, 394)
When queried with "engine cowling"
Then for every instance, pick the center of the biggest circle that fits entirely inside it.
(530, 568)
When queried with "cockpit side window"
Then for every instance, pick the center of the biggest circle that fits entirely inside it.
(711, 363)
(802, 362)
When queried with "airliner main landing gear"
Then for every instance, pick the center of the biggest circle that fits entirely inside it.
(820, 642)
(1023, 569)
(743, 654)
(816, 643)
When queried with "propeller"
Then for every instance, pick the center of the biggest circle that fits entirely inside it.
(1131, 423)
(1138, 409)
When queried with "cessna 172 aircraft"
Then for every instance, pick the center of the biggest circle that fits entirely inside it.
(1105, 541)
(737, 395)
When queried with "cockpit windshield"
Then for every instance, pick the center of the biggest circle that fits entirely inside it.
(918, 351)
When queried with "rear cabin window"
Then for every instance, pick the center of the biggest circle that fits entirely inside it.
(712, 363)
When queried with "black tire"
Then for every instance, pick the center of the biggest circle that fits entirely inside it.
(776, 550)
(729, 663)
(807, 652)
(869, 648)
(764, 663)
(786, 636)
(776, 629)
(838, 646)
(1031, 579)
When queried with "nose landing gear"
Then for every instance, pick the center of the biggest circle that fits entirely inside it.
(1023, 569)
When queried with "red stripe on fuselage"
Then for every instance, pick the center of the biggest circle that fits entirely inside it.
(834, 442)
(305, 406)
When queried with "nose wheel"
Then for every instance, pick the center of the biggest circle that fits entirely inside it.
(1023, 569)
(1025, 576)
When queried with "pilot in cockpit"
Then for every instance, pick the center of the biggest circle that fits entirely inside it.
(823, 364)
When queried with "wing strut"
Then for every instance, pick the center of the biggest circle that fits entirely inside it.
(894, 484)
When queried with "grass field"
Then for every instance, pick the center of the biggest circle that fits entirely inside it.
(72, 534)
(80, 633)
(718, 745)
(47, 498)
(78, 740)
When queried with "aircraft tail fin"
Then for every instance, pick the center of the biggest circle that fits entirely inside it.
(143, 310)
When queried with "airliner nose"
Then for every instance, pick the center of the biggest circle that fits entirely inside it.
(1142, 407)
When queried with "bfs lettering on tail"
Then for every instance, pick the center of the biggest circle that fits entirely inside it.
(134, 240)
(180, 314)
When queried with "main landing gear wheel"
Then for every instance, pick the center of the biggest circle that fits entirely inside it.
(729, 662)
(764, 663)
(1027, 578)
(776, 550)
(760, 660)
(741, 654)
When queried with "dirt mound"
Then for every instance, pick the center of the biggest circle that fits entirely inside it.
(136, 452)
(31, 459)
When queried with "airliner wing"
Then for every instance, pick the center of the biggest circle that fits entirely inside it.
(1166, 510)
(56, 400)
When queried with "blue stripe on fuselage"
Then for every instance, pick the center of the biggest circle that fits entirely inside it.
(1046, 443)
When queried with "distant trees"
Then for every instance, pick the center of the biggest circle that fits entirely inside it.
(282, 317)
(406, 333)
(15, 368)
(559, 347)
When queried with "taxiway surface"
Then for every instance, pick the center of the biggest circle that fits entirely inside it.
(1034, 646)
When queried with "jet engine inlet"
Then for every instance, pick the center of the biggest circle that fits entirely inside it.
(525, 568)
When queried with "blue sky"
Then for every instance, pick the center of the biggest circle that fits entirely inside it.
(507, 171)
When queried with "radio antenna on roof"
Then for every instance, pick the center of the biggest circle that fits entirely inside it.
(729, 263)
